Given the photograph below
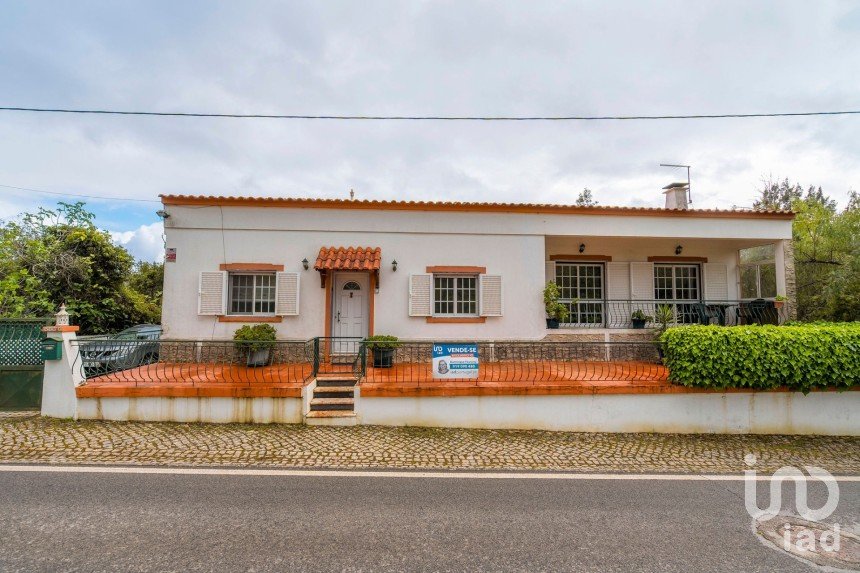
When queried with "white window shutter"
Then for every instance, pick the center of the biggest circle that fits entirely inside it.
(287, 294)
(490, 300)
(550, 272)
(642, 281)
(618, 281)
(211, 293)
(617, 289)
(420, 300)
(716, 281)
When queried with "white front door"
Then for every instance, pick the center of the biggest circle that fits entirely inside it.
(349, 316)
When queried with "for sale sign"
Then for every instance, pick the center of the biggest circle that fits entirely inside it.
(455, 360)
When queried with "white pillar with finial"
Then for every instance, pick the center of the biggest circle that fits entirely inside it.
(62, 376)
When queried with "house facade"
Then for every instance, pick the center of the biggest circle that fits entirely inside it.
(463, 271)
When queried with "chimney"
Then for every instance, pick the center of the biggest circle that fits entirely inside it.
(676, 195)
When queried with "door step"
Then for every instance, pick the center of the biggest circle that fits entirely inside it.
(331, 418)
(331, 414)
(323, 404)
(333, 400)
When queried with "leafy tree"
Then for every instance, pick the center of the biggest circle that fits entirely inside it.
(585, 199)
(148, 279)
(826, 249)
(777, 195)
(59, 256)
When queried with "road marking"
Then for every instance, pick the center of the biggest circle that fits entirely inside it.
(453, 474)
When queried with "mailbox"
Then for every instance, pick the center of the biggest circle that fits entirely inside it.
(52, 349)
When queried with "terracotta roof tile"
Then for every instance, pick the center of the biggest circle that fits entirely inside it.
(349, 259)
(548, 208)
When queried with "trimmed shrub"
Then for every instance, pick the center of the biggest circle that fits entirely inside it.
(800, 357)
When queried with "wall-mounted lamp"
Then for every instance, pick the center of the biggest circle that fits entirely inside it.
(582, 247)
(678, 249)
(394, 266)
(163, 214)
(305, 263)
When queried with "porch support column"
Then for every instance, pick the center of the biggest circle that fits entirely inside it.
(785, 278)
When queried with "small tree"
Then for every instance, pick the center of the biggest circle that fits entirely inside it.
(585, 199)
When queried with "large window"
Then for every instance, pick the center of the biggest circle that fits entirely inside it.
(455, 295)
(673, 283)
(581, 287)
(252, 293)
(758, 272)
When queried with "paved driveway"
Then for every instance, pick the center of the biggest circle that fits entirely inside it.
(29, 438)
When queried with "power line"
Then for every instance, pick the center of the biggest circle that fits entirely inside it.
(79, 195)
(430, 117)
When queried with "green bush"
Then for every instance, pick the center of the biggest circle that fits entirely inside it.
(255, 337)
(381, 341)
(800, 357)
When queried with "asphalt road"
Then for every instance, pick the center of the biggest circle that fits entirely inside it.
(134, 522)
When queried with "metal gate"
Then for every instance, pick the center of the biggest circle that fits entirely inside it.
(21, 364)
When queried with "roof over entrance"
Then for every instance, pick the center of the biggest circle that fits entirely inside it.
(349, 259)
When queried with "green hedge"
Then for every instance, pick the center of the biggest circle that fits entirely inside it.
(801, 357)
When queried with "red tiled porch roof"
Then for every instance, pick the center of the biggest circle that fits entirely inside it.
(349, 259)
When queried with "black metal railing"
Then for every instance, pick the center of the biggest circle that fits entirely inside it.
(523, 362)
(621, 313)
(142, 362)
(194, 362)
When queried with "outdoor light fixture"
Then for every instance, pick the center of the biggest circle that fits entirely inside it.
(394, 266)
(582, 247)
(163, 214)
(678, 249)
(305, 263)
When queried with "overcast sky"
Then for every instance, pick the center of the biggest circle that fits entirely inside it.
(435, 58)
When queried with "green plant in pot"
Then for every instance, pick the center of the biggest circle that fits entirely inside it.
(256, 343)
(556, 312)
(779, 301)
(639, 318)
(382, 347)
(663, 316)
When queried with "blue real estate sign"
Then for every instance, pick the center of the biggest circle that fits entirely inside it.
(455, 360)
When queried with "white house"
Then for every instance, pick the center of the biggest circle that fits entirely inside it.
(467, 271)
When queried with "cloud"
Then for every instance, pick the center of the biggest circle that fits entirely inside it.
(145, 243)
(446, 58)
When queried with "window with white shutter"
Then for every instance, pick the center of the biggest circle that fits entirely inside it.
(287, 294)
(419, 294)
(211, 293)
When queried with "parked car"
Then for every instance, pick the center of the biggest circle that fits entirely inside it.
(130, 348)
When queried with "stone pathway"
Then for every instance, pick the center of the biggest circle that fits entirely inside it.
(28, 438)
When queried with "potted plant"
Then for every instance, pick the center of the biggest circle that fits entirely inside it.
(664, 316)
(639, 318)
(779, 301)
(382, 347)
(256, 343)
(555, 311)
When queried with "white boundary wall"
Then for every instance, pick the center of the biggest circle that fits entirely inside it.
(217, 410)
(826, 413)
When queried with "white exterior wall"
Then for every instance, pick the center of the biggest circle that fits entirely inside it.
(513, 245)
(202, 410)
(818, 413)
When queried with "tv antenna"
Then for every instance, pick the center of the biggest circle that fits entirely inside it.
(689, 188)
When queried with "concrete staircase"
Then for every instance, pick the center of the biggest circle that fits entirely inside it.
(333, 401)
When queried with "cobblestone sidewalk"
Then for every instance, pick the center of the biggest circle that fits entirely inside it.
(30, 438)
